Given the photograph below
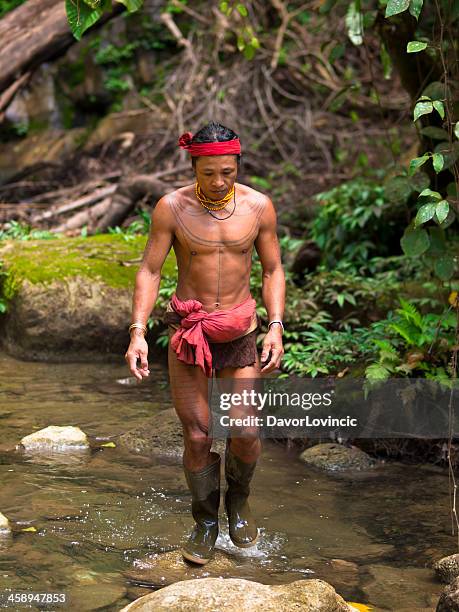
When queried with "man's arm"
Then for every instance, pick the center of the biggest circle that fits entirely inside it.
(147, 281)
(273, 287)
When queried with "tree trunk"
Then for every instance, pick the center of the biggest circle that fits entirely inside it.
(35, 32)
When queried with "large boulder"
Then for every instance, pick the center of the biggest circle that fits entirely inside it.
(70, 298)
(447, 568)
(236, 594)
(336, 457)
(449, 599)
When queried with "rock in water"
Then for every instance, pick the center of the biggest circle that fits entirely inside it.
(160, 436)
(5, 527)
(55, 438)
(449, 599)
(447, 568)
(335, 457)
(163, 569)
(235, 594)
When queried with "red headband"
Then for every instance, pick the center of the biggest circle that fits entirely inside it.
(229, 147)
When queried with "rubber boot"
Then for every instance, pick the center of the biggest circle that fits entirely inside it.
(242, 527)
(205, 500)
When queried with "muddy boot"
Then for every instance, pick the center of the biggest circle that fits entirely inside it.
(242, 527)
(205, 500)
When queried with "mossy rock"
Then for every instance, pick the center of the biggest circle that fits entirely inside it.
(70, 297)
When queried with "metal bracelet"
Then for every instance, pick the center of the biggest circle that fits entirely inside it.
(138, 326)
(276, 321)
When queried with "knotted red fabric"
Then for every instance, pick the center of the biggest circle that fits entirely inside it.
(229, 147)
(198, 327)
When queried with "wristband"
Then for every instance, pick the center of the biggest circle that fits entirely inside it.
(138, 326)
(276, 321)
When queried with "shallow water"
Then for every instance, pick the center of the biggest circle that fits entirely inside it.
(372, 535)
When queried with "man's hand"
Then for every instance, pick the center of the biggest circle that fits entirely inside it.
(138, 349)
(273, 348)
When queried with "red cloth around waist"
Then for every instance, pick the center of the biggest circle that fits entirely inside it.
(198, 327)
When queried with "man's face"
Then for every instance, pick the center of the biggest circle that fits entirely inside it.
(216, 174)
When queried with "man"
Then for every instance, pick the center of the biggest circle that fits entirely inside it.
(212, 226)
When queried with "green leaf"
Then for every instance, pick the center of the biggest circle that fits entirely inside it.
(249, 52)
(456, 129)
(415, 242)
(414, 46)
(445, 267)
(420, 181)
(131, 5)
(435, 133)
(435, 90)
(429, 192)
(396, 6)
(376, 372)
(439, 107)
(425, 213)
(385, 61)
(340, 299)
(438, 161)
(398, 189)
(422, 108)
(354, 23)
(416, 7)
(442, 210)
(416, 163)
(81, 17)
(224, 7)
(108, 445)
(242, 10)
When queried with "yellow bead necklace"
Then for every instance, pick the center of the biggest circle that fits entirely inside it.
(213, 204)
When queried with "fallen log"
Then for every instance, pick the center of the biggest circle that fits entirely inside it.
(84, 217)
(86, 200)
(129, 191)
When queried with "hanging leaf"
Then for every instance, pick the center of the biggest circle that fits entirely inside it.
(414, 46)
(81, 17)
(434, 90)
(425, 213)
(396, 6)
(385, 61)
(442, 210)
(415, 242)
(444, 267)
(456, 129)
(435, 133)
(416, 163)
(354, 23)
(429, 192)
(398, 189)
(422, 108)
(416, 7)
(438, 162)
(439, 107)
(420, 181)
(242, 10)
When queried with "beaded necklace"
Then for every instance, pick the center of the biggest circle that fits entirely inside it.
(213, 204)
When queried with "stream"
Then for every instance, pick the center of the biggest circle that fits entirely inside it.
(90, 516)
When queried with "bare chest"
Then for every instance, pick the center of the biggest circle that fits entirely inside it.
(200, 233)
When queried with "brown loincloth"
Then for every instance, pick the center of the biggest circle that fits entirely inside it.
(237, 353)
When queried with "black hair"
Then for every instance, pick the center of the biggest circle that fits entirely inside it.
(215, 132)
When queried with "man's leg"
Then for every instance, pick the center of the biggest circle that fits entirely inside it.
(242, 452)
(201, 467)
